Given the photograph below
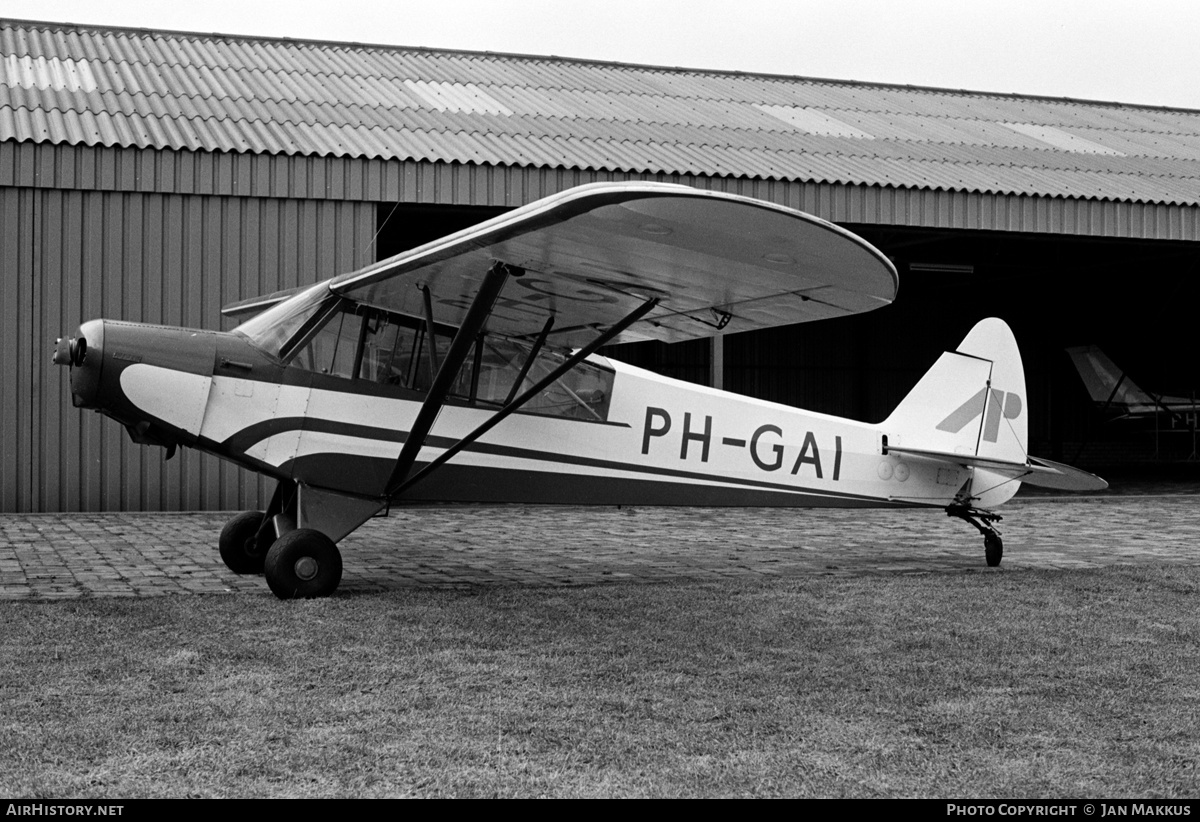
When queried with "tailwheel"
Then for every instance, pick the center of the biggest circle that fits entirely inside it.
(303, 564)
(993, 545)
(241, 549)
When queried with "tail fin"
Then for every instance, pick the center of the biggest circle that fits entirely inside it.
(971, 402)
(1106, 383)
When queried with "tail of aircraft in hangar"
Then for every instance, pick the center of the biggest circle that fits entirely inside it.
(1112, 390)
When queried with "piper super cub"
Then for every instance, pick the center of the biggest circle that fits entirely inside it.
(465, 370)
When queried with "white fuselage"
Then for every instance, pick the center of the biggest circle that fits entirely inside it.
(664, 442)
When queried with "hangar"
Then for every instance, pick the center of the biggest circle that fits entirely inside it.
(155, 176)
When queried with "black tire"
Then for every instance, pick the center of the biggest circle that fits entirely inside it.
(239, 545)
(993, 549)
(303, 564)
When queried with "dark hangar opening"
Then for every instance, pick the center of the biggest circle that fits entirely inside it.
(401, 226)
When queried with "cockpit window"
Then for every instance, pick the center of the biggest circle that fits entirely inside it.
(324, 334)
(272, 329)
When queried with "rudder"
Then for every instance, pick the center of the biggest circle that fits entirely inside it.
(971, 402)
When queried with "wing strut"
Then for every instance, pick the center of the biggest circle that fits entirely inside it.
(533, 352)
(473, 322)
(512, 406)
(429, 338)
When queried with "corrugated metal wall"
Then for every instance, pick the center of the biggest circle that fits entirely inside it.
(68, 256)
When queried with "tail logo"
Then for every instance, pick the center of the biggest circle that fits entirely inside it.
(972, 409)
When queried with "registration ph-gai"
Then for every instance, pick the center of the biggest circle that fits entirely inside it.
(765, 447)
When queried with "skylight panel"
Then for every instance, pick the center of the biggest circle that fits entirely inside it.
(60, 74)
(1061, 139)
(456, 97)
(814, 121)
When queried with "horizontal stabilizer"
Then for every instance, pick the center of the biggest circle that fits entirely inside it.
(1037, 471)
(1064, 477)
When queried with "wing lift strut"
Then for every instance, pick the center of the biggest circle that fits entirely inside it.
(402, 477)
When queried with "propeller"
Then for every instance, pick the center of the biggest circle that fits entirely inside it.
(69, 352)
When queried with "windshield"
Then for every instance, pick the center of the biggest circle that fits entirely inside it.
(272, 329)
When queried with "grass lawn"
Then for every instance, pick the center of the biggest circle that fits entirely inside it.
(984, 684)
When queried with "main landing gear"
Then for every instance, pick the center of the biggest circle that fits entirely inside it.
(301, 564)
(242, 550)
(993, 545)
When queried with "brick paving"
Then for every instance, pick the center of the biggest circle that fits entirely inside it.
(56, 556)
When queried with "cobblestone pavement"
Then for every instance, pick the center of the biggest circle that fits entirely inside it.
(54, 556)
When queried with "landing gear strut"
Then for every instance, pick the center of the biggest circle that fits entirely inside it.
(993, 545)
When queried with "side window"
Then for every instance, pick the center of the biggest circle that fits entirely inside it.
(396, 353)
(582, 393)
(387, 352)
(499, 368)
(393, 350)
(422, 374)
(332, 349)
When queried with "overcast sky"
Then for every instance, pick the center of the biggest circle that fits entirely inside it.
(1136, 52)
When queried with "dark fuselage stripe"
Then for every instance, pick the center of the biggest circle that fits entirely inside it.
(247, 437)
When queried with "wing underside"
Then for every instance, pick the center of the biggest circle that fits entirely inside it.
(593, 254)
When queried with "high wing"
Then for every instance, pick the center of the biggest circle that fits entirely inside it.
(589, 256)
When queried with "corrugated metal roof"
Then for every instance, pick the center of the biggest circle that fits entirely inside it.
(84, 85)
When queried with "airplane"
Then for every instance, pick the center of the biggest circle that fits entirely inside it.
(337, 392)
(1112, 390)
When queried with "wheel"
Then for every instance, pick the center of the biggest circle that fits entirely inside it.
(239, 543)
(993, 549)
(303, 564)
